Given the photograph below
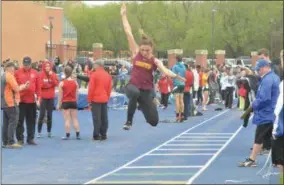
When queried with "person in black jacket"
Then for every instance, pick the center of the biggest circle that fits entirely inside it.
(243, 90)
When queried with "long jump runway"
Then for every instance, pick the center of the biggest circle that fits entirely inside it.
(169, 153)
(181, 159)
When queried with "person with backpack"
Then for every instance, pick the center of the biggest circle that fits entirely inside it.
(10, 98)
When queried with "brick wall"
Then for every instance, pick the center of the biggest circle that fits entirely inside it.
(22, 29)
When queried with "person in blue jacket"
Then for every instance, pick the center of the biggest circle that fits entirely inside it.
(178, 89)
(263, 108)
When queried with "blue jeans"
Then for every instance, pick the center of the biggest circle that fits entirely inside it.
(186, 101)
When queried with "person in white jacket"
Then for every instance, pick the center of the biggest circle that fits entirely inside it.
(223, 84)
(195, 82)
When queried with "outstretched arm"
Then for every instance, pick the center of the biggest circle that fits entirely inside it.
(167, 72)
(127, 28)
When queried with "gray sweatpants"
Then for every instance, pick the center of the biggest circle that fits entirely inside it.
(10, 121)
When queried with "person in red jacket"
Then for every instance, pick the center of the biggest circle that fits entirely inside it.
(99, 91)
(165, 86)
(67, 100)
(47, 82)
(29, 98)
(187, 90)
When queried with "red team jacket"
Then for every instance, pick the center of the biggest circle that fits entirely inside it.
(165, 85)
(22, 76)
(47, 83)
(100, 86)
(189, 80)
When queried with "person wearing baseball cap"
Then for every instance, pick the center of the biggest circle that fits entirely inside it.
(29, 98)
(10, 98)
(262, 67)
(263, 107)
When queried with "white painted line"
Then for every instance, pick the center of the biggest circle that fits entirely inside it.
(188, 149)
(182, 141)
(163, 144)
(190, 181)
(210, 133)
(203, 139)
(194, 144)
(219, 137)
(153, 167)
(177, 154)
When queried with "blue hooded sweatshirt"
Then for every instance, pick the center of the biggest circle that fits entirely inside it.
(266, 98)
(180, 70)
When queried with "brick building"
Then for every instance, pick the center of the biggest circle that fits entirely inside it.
(25, 31)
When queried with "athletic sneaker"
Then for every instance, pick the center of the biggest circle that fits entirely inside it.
(38, 135)
(103, 138)
(14, 146)
(127, 125)
(96, 138)
(65, 138)
(247, 163)
(78, 137)
(178, 117)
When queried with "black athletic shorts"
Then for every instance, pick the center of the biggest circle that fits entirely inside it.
(205, 88)
(178, 89)
(263, 132)
(278, 151)
(69, 105)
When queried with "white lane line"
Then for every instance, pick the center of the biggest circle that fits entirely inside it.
(188, 149)
(211, 133)
(189, 141)
(154, 167)
(200, 137)
(195, 144)
(163, 144)
(179, 154)
(190, 181)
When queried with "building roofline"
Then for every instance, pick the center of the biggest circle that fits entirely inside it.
(53, 7)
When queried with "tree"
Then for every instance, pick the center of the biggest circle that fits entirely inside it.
(240, 27)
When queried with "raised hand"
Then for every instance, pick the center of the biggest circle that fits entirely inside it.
(123, 9)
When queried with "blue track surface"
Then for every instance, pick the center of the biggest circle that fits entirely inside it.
(55, 161)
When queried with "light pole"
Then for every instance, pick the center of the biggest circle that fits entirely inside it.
(271, 36)
(213, 10)
(50, 36)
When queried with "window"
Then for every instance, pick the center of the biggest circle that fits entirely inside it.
(69, 31)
